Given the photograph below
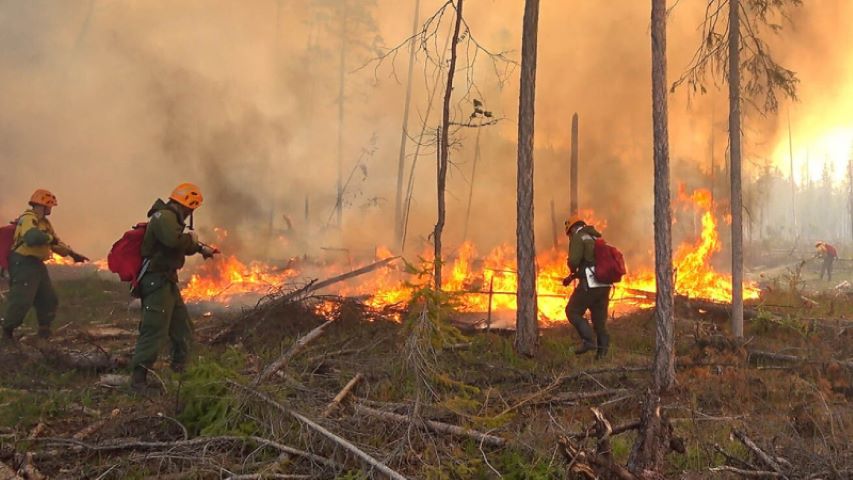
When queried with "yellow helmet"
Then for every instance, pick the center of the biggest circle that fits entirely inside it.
(188, 195)
(44, 198)
(572, 221)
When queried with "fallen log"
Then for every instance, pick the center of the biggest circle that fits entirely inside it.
(326, 433)
(336, 402)
(128, 444)
(297, 347)
(483, 438)
(759, 453)
(745, 473)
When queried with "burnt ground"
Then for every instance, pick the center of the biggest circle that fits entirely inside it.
(788, 387)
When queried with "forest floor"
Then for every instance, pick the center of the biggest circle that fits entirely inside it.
(787, 387)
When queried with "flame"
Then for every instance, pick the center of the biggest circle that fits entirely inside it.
(221, 278)
(488, 283)
(56, 259)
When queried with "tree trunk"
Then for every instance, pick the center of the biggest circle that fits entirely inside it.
(339, 198)
(793, 185)
(573, 205)
(664, 371)
(736, 189)
(404, 135)
(473, 176)
(444, 145)
(526, 320)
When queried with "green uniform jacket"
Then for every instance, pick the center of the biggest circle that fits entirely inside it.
(165, 244)
(582, 248)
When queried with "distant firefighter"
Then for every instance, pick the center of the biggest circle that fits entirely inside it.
(33, 242)
(590, 293)
(828, 253)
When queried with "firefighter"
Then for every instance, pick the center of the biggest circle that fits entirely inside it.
(164, 314)
(34, 242)
(828, 253)
(589, 294)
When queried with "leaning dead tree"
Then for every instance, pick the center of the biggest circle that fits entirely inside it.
(732, 45)
(526, 320)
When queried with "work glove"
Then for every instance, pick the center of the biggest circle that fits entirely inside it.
(78, 258)
(208, 252)
(568, 280)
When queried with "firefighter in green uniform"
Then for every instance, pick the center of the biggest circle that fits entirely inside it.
(30, 286)
(164, 314)
(589, 294)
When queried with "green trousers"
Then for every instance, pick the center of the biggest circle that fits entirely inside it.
(30, 286)
(164, 315)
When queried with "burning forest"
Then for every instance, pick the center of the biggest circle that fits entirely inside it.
(439, 239)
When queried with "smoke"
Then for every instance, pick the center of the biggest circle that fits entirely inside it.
(110, 104)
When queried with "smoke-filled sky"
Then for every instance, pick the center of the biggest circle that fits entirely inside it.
(110, 103)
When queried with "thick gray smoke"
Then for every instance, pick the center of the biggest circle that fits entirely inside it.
(111, 103)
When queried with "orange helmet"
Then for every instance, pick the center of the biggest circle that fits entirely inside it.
(188, 195)
(572, 221)
(44, 198)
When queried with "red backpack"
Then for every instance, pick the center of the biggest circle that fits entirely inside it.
(7, 239)
(830, 250)
(609, 262)
(125, 258)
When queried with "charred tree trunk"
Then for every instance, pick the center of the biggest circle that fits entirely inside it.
(404, 135)
(444, 145)
(664, 371)
(573, 206)
(527, 324)
(736, 188)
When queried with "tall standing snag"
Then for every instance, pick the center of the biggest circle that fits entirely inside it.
(734, 148)
(573, 168)
(401, 162)
(526, 321)
(664, 371)
(444, 145)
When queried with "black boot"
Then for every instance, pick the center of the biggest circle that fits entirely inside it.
(8, 337)
(178, 367)
(139, 380)
(601, 353)
(585, 347)
(44, 332)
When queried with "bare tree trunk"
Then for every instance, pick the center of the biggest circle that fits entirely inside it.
(339, 200)
(473, 176)
(404, 136)
(664, 371)
(793, 185)
(526, 320)
(573, 206)
(736, 188)
(850, 194)
(444, 145)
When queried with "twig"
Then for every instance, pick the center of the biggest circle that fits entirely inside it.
(483, 438)
(341, 395)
